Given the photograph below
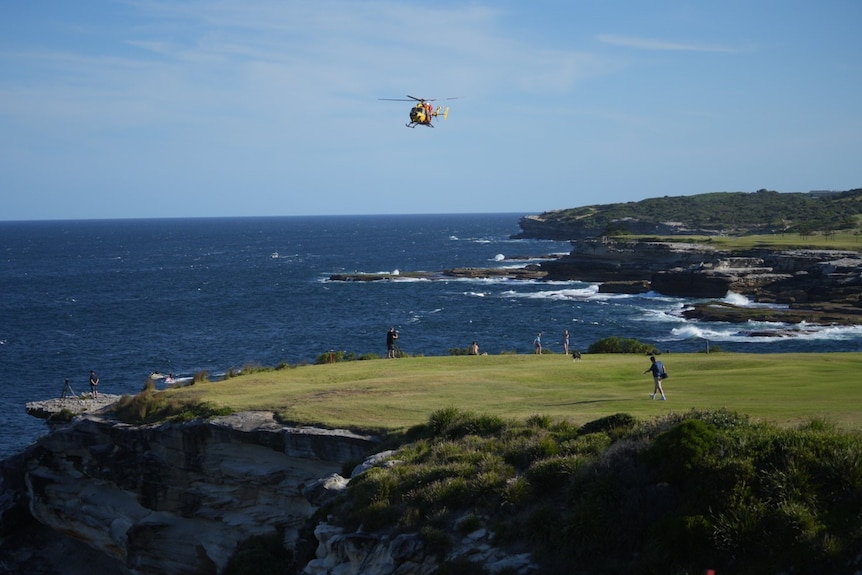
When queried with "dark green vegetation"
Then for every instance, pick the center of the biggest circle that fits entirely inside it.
(678, 494)
(616, 344)
(152, 406)
(728, 212)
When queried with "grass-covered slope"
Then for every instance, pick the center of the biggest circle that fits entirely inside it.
(727, 212)
(387, 395)
(752, 466)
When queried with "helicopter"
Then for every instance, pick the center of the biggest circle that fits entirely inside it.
(422, 113)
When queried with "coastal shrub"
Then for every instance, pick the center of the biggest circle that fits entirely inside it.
(437, 541)
(200, 377)
(683, 448)
(539, 421)
(468, 524)
(551, 474)
(452, 423)
(332, 357)
(591, 444)
(339, 356)
(62, 416)
(668, 495)
(619, 423)
(615, 344)
(524, 450)
(151, 406)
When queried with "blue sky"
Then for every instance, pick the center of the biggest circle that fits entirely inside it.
(158, 108)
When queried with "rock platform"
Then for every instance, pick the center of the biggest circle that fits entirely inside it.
(47, 408)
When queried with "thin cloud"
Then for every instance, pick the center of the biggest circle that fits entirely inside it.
(661, 45)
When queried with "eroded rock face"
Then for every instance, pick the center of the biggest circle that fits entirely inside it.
(611, 260)
(358, 553)
(172, 498)
(815, 280)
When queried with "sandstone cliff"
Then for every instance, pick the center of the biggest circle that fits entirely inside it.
(171, 498)
(99, 496)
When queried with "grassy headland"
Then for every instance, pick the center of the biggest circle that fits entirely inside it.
(391, 395)
(843, 240)
(573, 462)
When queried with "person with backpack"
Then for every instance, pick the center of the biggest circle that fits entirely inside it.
(658, 374)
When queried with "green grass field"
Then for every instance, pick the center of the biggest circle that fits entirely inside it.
(844, 240)
(386, 395)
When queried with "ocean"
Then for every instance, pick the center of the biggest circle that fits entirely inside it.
(129, 297)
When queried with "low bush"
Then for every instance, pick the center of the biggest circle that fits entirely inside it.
(677, 494)
(615, 344)
(150, 406)
(339, 356)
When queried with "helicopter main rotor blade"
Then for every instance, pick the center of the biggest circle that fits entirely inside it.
(395, 99)
(431, 99)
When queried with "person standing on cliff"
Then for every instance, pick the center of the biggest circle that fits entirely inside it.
(658, 373)
(94, 384)
(566, 342)
(537, 343)
(391, 338)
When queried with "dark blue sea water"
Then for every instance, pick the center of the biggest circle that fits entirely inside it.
(129, 297)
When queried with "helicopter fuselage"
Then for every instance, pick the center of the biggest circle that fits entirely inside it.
(419, 115)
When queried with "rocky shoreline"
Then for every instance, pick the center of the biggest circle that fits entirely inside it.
(65, 408)
(814, 286)
(801, 285)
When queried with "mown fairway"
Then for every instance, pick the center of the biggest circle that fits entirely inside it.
(391, 394)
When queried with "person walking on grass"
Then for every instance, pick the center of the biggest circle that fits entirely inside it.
(658, 373)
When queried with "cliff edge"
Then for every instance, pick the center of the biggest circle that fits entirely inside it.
(169, 498)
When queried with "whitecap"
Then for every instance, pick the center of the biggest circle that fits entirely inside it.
(765, 332)
(740, 300)
(589, 292)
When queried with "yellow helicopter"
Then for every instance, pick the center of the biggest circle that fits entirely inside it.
(423, 111)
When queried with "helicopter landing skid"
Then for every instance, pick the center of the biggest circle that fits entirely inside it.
(414, 124)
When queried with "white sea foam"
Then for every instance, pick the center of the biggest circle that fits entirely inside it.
(764, 332)
(588, 292)
(740, 300)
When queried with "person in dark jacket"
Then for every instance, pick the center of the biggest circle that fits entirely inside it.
(658, 373)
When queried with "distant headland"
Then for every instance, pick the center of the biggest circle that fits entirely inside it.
(799, 254)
